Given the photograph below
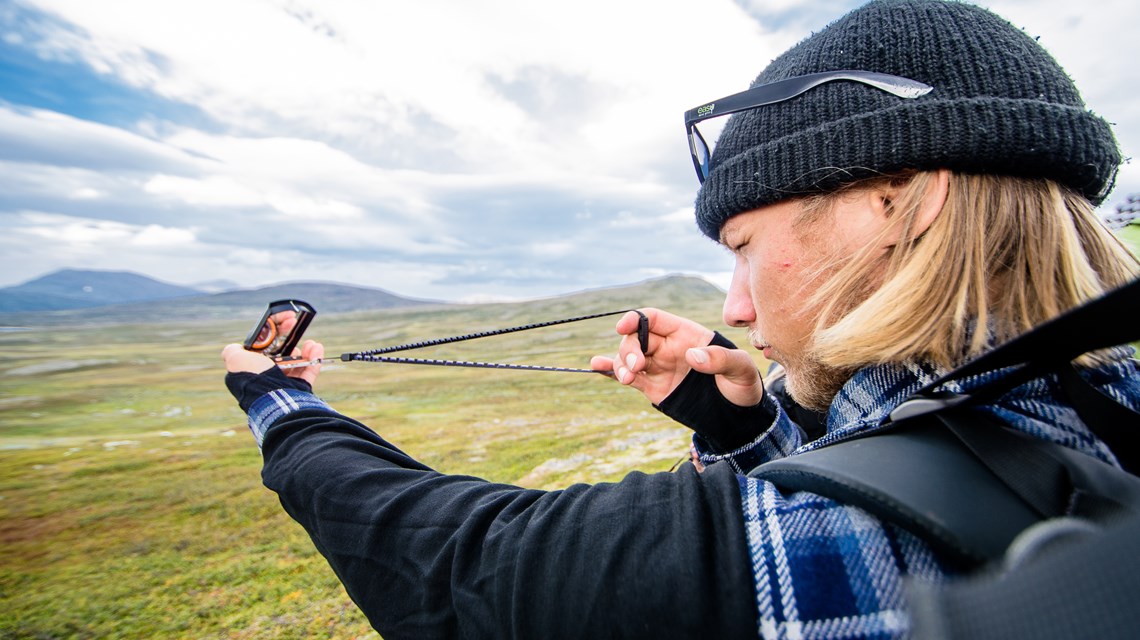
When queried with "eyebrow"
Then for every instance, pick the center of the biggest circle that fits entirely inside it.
(726, 231)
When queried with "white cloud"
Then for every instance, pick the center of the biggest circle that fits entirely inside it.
(441, 148)
(375, 73)
(47, 228)
(296, 177)
(553, 249)
(86, 193)
(35, 243)
(247, 257)
(302, 207)
(209, 191)
(153, 235)
(48, 137)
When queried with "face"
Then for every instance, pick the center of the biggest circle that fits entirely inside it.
(778, 264)
(768, 280)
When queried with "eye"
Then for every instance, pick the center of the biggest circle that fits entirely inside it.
(735, 239)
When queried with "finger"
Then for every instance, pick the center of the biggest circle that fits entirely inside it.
(734, 364)
(620, 372)
(310, 350)
(661, 323)
(238, 360)
(636, 323)
(664, 327)
(628, 323)
(628, 378)
(736, 374)
(630, 355)
(602, 363)
(654, 360)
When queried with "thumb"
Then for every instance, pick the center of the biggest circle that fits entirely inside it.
(238, 359)
(736, 374)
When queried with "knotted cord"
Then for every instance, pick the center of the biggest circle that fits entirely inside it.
(376, 355)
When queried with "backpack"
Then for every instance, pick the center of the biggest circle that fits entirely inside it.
(1051, 535)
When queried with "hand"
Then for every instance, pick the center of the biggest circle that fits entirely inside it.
(676, 346)
(239, 360)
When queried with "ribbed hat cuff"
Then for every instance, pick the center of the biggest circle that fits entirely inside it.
(1000, 136)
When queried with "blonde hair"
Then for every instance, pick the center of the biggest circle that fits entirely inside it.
(1003, 255)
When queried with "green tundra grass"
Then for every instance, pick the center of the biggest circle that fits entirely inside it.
(130, 497)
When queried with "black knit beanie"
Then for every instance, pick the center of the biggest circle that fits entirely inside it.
(1000, 105)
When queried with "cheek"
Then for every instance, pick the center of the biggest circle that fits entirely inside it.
(774, 278)
(783, 286)
(769, 298)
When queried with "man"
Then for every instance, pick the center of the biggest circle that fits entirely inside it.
(929, 196)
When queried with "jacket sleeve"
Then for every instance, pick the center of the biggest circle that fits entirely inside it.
(429, 555)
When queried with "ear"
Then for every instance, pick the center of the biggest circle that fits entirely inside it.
(932, 202)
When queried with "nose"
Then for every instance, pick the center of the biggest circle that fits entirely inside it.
(739, 311)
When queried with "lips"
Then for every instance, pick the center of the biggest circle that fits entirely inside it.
(758, 343)
(757, 340)
(765, 349)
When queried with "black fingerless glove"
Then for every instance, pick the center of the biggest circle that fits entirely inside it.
(248, 387)
(698, 404)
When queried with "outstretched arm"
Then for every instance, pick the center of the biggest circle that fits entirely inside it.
(428, 555)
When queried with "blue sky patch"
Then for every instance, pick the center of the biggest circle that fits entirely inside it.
(71, 87)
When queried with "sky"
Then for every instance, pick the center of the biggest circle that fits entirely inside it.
(445, 149)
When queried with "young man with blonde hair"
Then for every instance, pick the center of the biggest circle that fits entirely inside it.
(900, 192)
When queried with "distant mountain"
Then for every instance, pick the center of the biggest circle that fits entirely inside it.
(675, 291)
(325, 297)
(79, 289)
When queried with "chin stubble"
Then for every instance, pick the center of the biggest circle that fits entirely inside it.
(813, 385)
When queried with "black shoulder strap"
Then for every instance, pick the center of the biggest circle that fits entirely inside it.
(964, 483)
(919, 478)
(961, 482)
(1107, 321)
(1084, 587)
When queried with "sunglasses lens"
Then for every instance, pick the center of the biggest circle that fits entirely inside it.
(700, 151)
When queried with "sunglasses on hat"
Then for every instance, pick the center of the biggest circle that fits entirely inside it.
(779, 91)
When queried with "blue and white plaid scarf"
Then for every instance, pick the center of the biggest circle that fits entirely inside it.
(827, 571)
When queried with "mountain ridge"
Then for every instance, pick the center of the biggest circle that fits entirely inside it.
(326, 297)
(82, 288)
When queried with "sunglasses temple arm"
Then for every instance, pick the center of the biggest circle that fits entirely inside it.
(792, 87)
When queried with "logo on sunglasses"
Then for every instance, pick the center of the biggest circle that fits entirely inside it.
(707, 109)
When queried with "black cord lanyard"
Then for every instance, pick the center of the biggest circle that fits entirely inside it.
(376, 355)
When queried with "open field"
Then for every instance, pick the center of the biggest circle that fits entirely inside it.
(130, 498)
